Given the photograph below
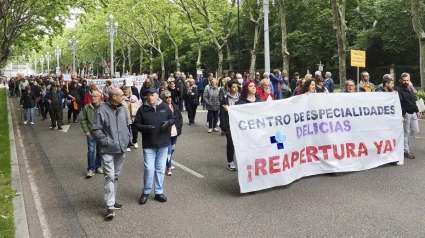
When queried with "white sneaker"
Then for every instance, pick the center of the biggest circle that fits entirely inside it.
(25, 122)
(231, 166)
(90, 174)
(136, 145)
(99, 170)
(128, 150)
(32, 123)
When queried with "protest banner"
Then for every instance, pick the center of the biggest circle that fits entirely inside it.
(118, 82)
(67, 77)
(278, 142)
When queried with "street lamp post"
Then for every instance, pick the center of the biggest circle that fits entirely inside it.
(112, 30)
(73, 44)
(42, 64)
(48, 58)
(266, 34)
(58, 53)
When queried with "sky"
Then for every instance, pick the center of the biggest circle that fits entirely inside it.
(72, 21)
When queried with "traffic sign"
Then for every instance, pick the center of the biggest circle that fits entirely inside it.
(358, 58)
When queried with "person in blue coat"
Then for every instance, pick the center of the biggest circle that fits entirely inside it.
(276, 78)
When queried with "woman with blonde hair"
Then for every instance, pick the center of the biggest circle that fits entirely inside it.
(126, 103)
(176, 129)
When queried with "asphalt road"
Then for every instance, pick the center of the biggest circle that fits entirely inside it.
(384, 202)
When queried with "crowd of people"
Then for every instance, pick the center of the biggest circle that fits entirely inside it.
(111, 119)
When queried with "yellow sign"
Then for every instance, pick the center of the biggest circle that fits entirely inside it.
(358, 58)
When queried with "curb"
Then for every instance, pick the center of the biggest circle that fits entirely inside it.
(19, 213)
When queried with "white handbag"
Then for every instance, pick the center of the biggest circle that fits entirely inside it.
(421, 105)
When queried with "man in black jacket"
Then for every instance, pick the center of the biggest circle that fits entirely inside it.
(154, 120)
(410, 113)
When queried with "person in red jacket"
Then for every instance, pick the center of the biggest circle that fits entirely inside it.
(264, 90)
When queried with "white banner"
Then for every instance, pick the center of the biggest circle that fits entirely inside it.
(119, 82)
(281, 141)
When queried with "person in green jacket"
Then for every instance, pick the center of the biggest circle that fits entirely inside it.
(87, 118)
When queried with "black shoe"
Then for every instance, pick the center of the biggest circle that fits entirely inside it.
(160, 198)
(110, 213)
(60, 128)
(143, 199)
(117, 206)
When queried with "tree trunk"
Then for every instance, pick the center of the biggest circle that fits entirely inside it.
(229, 55)
(254, 50)
(162, 66)
(150, 61)
(419, 29)
(285, 53)
(220, 60)
(141, 61)
(257, 29)
(124, 58)
(182, 4)
(130, 63)
(340, 31)
(198, 61)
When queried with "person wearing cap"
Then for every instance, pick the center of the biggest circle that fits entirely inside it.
(154, 120)
(54, 99)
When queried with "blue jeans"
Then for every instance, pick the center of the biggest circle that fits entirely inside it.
(171, 148)
(93, 152)
(154, 160)
(277, 95)
(31, 114)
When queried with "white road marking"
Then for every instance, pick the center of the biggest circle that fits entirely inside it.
(34, 188)
(65, 128)
(187, 169)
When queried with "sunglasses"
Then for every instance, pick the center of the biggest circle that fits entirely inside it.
(167, 97)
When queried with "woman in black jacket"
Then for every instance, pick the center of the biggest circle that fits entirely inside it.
(28, 103)
(190, 97)
(144, 90)
(73, 97)
(176, 129)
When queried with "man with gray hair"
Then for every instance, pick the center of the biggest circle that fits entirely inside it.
(110, 130)
(155, 81)
(329, 82)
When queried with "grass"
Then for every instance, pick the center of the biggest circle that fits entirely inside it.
(7, 226)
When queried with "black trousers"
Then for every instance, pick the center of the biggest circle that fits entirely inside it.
(191, 111)
(55, 115)
(230, 149)
(73, 112)
(135, 133)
